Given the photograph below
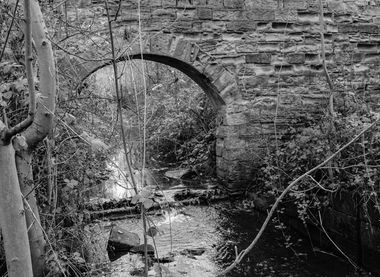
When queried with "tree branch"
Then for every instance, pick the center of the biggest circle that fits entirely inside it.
(242, 254)
(323, 53)
(9, 30)
(29, 75)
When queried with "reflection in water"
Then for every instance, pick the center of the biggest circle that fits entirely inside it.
(279, 252)
(220, 228)
(119, 185)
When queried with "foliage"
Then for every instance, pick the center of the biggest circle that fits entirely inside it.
(181, 130)
(355, 169)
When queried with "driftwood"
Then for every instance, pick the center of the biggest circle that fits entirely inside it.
(182, 198)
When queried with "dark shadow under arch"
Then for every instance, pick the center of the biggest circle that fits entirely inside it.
(199, 78)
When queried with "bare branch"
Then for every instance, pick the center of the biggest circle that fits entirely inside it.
(323, 53)
(9, 30)
(242, 254)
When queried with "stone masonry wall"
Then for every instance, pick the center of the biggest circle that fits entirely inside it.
(262, 56)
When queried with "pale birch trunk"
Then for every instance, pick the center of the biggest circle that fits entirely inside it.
(35, 232)
(12, 215)
(36, 133)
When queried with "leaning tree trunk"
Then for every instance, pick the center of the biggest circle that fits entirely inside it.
(35, 233)
(36, 133)
(12, 215)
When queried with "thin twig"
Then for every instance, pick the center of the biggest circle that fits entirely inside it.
(9, 30)
(323, 53)
(336, 246)
(46, 236)
(29, 75)
(144, 137)
(29, 59)
(322, 187)
(331, 86)
(119, 99)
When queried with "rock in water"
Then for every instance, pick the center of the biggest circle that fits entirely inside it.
(177, 173)
(120, 242)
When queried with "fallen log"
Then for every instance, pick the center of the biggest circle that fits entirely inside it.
(183, 198)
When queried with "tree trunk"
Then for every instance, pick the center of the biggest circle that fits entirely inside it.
(35, 233)
(46, 104)
(37, 132)
(12, 216)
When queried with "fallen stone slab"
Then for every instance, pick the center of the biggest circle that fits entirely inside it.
(120, 242)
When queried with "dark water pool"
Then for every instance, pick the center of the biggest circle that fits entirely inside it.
(219, 228)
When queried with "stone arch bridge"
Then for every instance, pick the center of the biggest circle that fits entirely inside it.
(259, 61)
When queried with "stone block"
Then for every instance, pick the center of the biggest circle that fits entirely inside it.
(296, 58)
(164, 13)
(229, 15)
(295, 4)
(215, 3)
(200, 2)
(261, 15)
(246, 46)
(235, 154)
(223, 80)
(186, 14)
(261, 4)
(230, 93)
(120, 242)
(150, 3)
(260, 58)
(182, 50)
(286, 15)
(169, 3)
(219, 147)
(232, 143)
(183, 26)
(160, 44)
(213, 26)
(185, 4)
(251, 131)
(226, 131)
(234, 4)
(362, 28)
(255, 81)
(240, 26)
(236, 119)
(205, 13)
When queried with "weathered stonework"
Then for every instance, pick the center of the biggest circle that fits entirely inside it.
(251, 57)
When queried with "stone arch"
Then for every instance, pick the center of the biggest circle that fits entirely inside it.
(199, 78)
(210, 74)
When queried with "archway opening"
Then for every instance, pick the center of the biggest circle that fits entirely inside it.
(198, 77)
(179, 106)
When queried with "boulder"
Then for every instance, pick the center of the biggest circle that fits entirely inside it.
(120, 242)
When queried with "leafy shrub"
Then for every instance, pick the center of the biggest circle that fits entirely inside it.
(354, 169)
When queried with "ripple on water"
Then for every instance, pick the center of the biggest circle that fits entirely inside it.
(219, 229)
